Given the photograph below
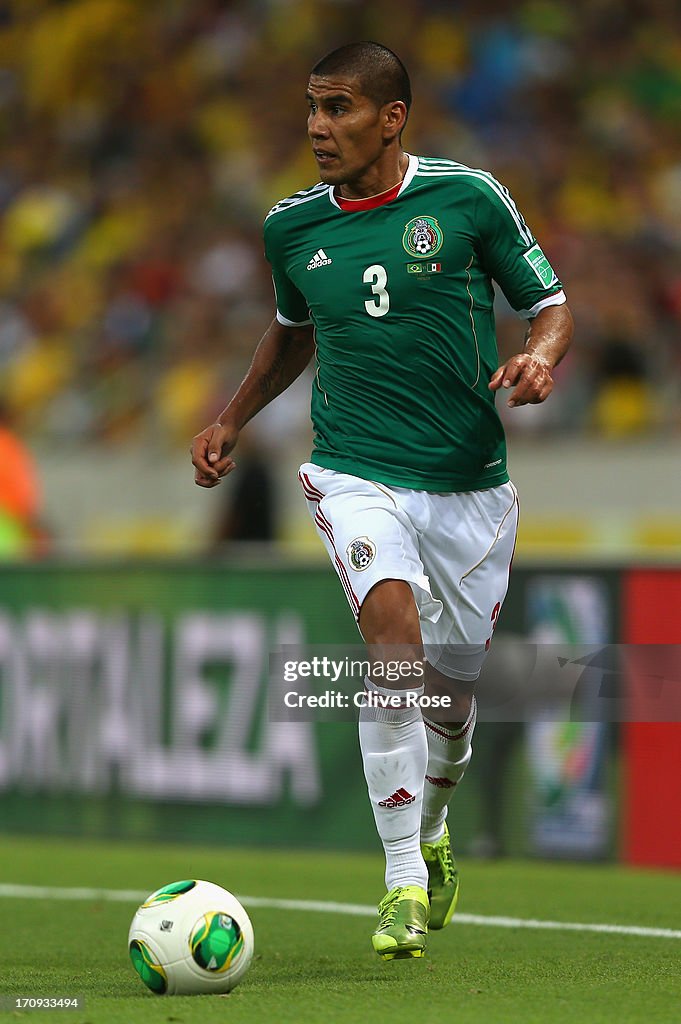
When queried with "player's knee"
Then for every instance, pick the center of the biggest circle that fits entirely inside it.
(389, 615)
(452, 698)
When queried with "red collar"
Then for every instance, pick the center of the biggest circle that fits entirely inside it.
(372, 202)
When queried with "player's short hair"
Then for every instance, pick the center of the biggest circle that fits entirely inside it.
(381, 74)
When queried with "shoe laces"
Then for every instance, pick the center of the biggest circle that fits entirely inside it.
(444, 855)
(387, 908)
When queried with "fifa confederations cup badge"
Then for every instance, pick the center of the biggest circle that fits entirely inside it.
(422, 237)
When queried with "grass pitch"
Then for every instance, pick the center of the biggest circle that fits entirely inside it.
(318, 968)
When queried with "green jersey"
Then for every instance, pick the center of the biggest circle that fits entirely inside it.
(401, 299)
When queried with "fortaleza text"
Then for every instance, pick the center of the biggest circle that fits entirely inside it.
(330, 668)
(365, 699)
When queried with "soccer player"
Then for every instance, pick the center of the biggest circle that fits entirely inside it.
(383, 274)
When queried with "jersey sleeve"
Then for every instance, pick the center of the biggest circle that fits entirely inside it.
(292, 309)
(511, 254)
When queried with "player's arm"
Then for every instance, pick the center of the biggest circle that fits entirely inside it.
(280, 358)
(515, 261)
(529, 372)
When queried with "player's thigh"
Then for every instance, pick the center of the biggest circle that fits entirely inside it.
(468, 558)
(368, 536)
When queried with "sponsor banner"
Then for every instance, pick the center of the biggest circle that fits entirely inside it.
(144, 701)
(135, 702)
(567, 759)
(651, 818)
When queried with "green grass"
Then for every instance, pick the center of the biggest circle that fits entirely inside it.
(312, 968)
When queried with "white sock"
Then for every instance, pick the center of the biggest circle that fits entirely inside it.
(449, 751)
(395, 754)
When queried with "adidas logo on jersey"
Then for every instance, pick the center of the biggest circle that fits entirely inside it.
(400, 798)
(320, 259)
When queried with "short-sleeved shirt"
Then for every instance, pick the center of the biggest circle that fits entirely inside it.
(401, 299)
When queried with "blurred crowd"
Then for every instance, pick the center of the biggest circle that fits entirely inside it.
(143, 143)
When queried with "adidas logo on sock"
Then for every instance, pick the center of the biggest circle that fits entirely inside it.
(320, 259)
(400, 798)
(442, 783)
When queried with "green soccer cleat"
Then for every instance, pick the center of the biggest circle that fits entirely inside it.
(443, 880)
(403, 923)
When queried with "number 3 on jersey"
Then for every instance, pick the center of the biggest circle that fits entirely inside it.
(377, 277)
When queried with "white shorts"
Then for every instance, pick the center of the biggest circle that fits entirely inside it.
(455, 550)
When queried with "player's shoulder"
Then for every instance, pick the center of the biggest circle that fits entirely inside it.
(476, 178)
(297, 204)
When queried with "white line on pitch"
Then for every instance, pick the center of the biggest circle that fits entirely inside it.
(352, 909)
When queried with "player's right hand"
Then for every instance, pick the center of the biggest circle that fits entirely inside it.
(210, 454)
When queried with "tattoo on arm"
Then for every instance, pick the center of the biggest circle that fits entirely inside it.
(270, 377)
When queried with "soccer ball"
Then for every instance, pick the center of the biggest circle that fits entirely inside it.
(191, 937)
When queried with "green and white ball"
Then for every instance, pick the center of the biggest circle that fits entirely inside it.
(189, 938)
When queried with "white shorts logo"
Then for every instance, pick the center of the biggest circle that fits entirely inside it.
(361, 553)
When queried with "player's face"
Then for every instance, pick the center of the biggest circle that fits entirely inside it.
(347, 130)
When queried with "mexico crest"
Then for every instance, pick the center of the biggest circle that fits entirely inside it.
(422, 237)
(361, 553)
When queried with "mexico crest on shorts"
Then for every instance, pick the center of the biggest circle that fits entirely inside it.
(361, 553)
(422, 237)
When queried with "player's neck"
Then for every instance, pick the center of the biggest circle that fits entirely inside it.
(377, 182)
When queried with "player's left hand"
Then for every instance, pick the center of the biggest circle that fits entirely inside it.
(529, 374)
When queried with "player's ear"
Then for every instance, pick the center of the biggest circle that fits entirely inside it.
(395, 116)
